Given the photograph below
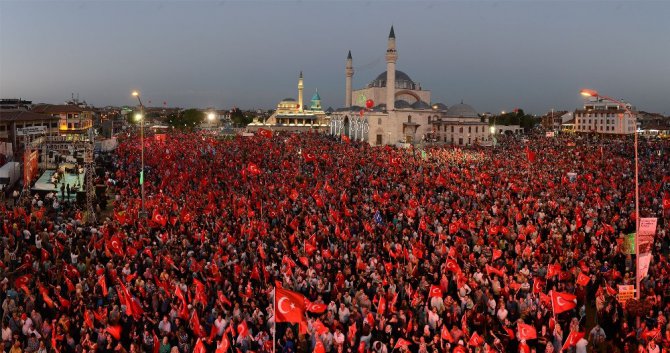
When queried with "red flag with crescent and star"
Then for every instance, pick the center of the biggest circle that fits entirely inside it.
(561, 302)
(289, 306)
(526, 332)
(435, 291)
(572, 340)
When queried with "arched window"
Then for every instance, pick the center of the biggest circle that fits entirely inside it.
(409, 119)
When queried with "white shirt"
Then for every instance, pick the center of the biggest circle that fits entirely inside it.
(220, 326)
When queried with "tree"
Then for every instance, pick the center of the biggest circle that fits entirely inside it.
(187, 119)
(239, 117)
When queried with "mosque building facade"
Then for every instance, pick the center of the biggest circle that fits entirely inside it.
(292, 115)
(402, 112)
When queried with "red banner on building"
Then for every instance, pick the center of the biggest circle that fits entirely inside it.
(30, 160)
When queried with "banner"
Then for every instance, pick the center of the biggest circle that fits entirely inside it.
(626, 293)
(646, 235)
(549, 134)
(30, 159)
(643, 263)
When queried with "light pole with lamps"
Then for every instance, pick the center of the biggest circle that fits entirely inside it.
(140, 117)
(594, 94)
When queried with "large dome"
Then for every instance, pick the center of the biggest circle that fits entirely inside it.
(402, 81)
(461, 111)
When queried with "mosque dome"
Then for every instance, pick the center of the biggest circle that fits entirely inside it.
(440, 106)
(461, 111)
(402, 104)
(402, 81)
(421, 105)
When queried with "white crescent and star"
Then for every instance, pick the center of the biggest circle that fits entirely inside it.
(281, 308)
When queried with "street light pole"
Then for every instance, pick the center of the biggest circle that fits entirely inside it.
(143, 213)
(592, 93)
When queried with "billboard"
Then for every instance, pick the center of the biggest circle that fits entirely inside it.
(30, 160)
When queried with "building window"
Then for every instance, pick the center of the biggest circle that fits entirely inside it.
(469, 129)
(409, 119)
(452, 128)
(379, 121)
(460, 129)
(476, 129)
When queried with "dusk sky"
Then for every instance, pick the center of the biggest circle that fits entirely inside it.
(493, 55)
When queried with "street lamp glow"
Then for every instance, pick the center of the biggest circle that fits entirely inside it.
(136, 94)
(211, 116)
(493, 129)
(588, 92)
(138, 116)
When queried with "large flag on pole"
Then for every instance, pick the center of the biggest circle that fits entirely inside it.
(289, 306)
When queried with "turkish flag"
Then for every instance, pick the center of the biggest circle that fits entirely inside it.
(453, 228)
(265, 133)
(223, 299)
(318, 200)
(452, 266)
(435, 291)
(88, 319)
(562, 301)
(666, 201)
(446, 335)
(309, 157)
(526, 332)
(195, 325)
(395, 161)
(157, 344)
(243, 329)
(475, 340)
(537, 285)
(253, 169)
(531, 155)
(115, 331)
(572, 340)
(402, 343)
(345, 138)
(115, 245)
(199, 347)
(289, 306)
(159, 219)
(315, 308)
(583, 279)
(491, 269)
(319, 348)
(553, 270)
(224, 345)
(497, 253)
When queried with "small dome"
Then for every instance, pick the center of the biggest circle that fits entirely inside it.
(288, 100)
(402, 81)
(316, 96)
(461, 111)
(421, 105)
(440, 106)
(402, 104)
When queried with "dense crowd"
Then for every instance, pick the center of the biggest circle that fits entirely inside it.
(452, 250)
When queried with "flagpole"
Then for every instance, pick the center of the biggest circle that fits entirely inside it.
(274, 322)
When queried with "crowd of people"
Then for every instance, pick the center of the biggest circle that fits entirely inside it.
(452, 250)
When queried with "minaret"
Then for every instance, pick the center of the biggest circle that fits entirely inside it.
(300, 107)
(391, 58)
(349, 70)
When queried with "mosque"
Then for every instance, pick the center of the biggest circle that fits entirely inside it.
(403, 113)
(292, 115)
